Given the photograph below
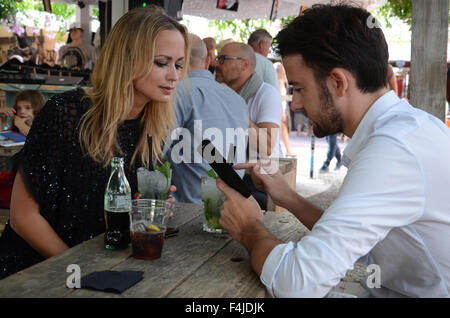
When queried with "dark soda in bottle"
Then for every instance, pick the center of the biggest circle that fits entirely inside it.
(117, 206)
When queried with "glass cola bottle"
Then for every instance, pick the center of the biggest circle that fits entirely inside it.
(117, 206)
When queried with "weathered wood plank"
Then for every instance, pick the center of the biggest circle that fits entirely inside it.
(194, 264)
(229, 273)
(182, 256)
(48, 278)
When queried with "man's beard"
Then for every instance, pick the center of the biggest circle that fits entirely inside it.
(331, 119)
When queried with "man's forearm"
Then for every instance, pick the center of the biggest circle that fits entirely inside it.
(259, 243)
(306, 213)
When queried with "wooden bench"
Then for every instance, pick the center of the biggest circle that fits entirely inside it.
(288, 167)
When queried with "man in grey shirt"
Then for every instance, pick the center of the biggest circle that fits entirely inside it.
(205, 109)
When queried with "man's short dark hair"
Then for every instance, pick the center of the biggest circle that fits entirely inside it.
(329, 36)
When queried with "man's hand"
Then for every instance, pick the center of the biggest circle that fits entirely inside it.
(238, 215)
(244, 221)
(268, 178)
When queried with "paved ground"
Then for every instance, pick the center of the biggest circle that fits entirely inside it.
(321, 190)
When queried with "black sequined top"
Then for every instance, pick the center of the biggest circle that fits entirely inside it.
(67, 185)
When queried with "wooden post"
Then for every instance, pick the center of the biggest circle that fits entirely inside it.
(428, 56)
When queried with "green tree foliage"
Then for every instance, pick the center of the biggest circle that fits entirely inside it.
(63, 11)
(95, 14)
(401, 9)
(241, 28)
(285, 21)
(8, 10)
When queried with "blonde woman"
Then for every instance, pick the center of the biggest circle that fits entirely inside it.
(285, 117)
(57, 198)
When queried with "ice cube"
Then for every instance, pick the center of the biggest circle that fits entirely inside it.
(151, 183)
(139, 227)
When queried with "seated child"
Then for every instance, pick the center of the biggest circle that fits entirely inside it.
(26, 106)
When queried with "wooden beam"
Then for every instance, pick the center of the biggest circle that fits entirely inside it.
(274, 10)
(428, 56)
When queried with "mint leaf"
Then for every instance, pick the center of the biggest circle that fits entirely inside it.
(212, 174)
(164, 169)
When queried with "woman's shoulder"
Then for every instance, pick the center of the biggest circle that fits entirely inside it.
(67, 105)
(61, 114)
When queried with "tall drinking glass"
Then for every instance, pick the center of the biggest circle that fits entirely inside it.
(148, 223)
(153, 184)
(212, 199)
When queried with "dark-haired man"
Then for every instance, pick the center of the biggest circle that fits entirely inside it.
(392, 209)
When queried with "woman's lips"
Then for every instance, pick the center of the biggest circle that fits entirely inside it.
(167, 90)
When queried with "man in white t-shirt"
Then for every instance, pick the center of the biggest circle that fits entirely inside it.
(236, 68)
(392, 211)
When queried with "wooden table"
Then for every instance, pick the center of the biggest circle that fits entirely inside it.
(193, 264)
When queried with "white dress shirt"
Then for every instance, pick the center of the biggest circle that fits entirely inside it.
(393, 208)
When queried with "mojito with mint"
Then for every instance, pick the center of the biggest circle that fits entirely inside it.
(212, 199)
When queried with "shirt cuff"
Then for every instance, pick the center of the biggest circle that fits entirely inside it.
(272, 263)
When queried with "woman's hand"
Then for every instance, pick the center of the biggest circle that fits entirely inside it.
(171, 198)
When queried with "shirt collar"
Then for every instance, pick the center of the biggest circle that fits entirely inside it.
(201, 73)
(365, 127)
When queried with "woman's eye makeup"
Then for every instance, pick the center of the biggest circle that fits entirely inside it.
(161, 63)
(178, 66)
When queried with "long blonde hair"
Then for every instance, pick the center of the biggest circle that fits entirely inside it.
(127, 55)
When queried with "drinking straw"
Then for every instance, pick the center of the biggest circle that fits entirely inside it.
(150, 149)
